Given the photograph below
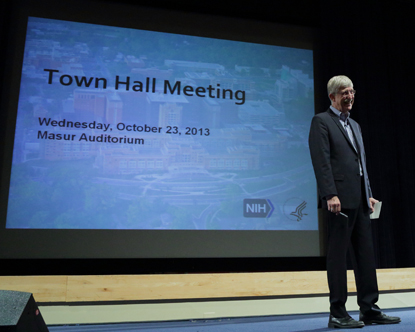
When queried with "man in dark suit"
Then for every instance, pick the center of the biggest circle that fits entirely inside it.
(339, 162)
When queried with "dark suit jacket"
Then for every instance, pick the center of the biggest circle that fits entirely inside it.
(336, 161)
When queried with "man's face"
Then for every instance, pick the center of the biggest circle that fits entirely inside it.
(343, 100)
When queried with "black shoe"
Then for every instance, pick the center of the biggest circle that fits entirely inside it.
(380, 318)
(344, 322)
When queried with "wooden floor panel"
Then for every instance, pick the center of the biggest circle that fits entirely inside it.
(71, 289)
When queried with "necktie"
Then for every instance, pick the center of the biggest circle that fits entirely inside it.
(344, 118)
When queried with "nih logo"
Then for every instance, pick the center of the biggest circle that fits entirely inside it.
(257, 208)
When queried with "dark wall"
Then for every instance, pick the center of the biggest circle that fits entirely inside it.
(369, 41)
(295, 12)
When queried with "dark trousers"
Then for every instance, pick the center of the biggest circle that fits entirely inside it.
(352, 233)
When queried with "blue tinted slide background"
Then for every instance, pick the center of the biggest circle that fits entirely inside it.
(204, 154)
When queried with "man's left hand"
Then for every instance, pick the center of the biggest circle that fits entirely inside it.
(372, 203)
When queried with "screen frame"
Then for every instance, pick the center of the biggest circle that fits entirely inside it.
(73, 244)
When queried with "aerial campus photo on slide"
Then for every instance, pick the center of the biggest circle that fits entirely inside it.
(121, 128)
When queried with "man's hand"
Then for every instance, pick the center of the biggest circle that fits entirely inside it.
(333, 205)
(372, 203)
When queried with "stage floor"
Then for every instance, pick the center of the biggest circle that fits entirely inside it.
(209, 309)
(280, 323)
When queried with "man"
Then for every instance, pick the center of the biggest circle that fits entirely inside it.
(339, 162)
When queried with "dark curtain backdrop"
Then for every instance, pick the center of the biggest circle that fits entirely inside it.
(369, 41)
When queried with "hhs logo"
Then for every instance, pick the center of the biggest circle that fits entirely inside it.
(257, 208)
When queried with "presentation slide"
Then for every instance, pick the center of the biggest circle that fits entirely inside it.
(127, 129)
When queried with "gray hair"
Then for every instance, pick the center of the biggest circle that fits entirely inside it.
(338, 82)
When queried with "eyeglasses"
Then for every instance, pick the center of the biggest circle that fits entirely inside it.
(347, 92)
